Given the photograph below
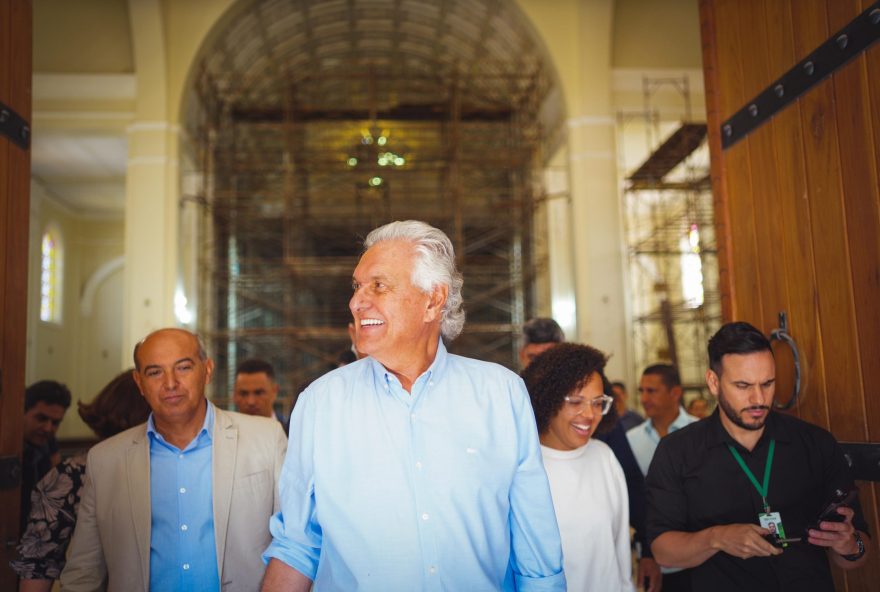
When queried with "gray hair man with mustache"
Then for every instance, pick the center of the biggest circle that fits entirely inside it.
(736, 496)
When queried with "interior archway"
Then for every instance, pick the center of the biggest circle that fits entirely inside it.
(313, 122)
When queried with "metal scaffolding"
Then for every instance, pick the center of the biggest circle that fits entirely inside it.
(671, 246)
(298, 166)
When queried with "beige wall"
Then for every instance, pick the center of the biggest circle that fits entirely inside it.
(81, 350)
(656, 34)
(82, 37)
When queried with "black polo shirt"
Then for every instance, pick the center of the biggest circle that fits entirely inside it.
(694, 482)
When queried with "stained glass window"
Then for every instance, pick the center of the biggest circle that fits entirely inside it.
(49, 283)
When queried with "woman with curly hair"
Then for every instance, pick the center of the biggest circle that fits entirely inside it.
(566, 386)
(55, 499)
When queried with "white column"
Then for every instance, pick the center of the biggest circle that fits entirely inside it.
(598, 245)
(578, 37)
(151, 215)
(597, 233)
(151, 222)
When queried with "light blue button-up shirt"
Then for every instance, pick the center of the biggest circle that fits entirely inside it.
(441, 489)
(183, 555)
(643, 438)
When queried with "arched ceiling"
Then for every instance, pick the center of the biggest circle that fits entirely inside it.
(398, 59)
(297, 104)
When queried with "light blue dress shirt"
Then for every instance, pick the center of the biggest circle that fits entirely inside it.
(643, 438)
(441, 489)
(183, 554)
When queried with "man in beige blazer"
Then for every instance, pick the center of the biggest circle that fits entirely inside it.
(118, 531)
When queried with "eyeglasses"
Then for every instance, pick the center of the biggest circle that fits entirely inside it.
(600, 404)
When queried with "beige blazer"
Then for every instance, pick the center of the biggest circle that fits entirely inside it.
(110, 549)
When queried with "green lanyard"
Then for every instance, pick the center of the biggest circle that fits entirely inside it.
(762, 490)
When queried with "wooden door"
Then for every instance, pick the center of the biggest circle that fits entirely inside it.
(15, 93)
(798, 209)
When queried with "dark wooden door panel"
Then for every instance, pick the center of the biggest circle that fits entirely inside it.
(798, 204)
(794, 224)
(15, 91)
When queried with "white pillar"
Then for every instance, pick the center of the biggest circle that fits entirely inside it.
(598, 245)
(151, 217)
(578, 38)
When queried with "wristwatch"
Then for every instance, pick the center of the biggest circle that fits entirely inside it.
(858, 554)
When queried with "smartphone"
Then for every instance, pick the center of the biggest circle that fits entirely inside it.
(779, 541)
(841, 497)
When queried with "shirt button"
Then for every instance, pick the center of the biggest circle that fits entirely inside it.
(432, 569)
(183, 527)
(419, 465)
(180, 456)
(431, 383)
(183, 490)
(186, 566)
(412, 415)
(425, 516)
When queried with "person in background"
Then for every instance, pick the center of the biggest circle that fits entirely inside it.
(699, 408)
(538, 335)
(256, 390)
(45, 403)
(628, 418)
(349, 354)
(55, 499)
(660, 391)
(565, 385)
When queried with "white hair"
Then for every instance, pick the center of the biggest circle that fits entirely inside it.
(435, 265)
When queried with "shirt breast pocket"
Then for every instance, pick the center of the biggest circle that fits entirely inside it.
(253, 483)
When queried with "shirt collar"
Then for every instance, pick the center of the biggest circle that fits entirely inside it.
(206, 431)
(681, 420)
(383, 376)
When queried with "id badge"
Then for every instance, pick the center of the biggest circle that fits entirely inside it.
(772, 521)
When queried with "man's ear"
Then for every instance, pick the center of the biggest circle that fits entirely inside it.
(137, 380)
(209, 370)
(436, 302)
(712, 382)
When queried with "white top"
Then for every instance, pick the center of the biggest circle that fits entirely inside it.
(592, 509)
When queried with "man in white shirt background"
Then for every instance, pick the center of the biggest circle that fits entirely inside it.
(660, 393)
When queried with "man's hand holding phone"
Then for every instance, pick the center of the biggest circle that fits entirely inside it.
(835, 535)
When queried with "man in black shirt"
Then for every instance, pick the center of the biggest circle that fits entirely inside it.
(716, 486)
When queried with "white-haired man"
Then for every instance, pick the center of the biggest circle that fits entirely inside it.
(413, 469)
